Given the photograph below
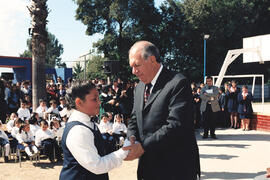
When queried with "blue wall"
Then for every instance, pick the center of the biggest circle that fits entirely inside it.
(22, 68)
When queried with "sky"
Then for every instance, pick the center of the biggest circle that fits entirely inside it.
(15, 21)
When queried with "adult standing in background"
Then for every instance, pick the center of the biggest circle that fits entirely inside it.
(209, 107)
(232, 94)
(161, 120)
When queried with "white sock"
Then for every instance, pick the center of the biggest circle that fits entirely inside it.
(28, 152)
(35, 149)
(7, 149)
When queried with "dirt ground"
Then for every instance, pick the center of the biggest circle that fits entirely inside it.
(50, 171)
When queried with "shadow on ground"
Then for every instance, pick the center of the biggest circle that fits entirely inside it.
(229, 175)
(217, 156)
(227, 145)
(47, 165)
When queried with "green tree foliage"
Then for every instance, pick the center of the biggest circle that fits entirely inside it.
(95, 67)
(177, 28)
(54, 50)
(77, 71)
(122, 22)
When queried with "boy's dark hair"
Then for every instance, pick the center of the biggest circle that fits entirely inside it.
(209, 77)
(18, 121)
(104, 115)
(78, 90)
(33, 119)
(22, 126)
(43, 122)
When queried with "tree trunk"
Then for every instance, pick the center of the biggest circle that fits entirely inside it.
(39, 12)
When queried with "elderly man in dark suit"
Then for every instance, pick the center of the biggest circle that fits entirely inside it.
(162, 119)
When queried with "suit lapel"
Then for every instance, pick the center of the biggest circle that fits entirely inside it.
(160, 83)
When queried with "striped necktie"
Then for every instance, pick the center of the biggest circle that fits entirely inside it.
(147, 92)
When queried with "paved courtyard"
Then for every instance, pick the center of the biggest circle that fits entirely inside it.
(236, 154)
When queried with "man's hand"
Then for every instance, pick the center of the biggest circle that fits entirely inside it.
(136, 151)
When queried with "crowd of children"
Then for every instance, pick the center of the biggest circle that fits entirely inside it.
(42, 130)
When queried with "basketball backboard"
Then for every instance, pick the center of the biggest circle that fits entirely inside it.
(260, 46)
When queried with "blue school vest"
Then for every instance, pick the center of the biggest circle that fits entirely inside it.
(72, 170)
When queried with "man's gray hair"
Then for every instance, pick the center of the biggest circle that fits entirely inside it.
(150, 50)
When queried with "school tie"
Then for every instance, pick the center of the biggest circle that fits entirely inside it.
(147, 92)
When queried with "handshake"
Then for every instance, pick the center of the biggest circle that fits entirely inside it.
(133, 149)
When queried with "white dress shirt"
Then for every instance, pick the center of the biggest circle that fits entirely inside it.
(154, 80)
(34, 129)
(42, 135)
(118, 127)
(10, 125)
(24, 137)
(41, 110)
(53, 110)
(105, 127)
(14, 132)
(80, 142)
(23, 112)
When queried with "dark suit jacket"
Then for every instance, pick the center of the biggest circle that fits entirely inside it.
(164, 126)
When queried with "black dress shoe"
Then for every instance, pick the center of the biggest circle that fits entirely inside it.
(214, 137)
(6, 159)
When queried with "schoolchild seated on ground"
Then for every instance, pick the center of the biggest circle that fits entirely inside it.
(26, 140)
(45, 138)
(4, 142)
(119, 129)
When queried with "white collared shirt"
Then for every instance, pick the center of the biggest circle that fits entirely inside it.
(10, 125)
(24, 137)
(14, 131)
(80, 142)
(105, 127)
(42, 135)
(41, 110)
(23, 112)
(118, 127)
(34, 128)
(154, 80)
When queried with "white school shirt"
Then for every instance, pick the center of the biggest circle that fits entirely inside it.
(10, 125)
(105, 127)
(34, 129)
(58, 133)
(118, 127)
(40, 110)
(53, 110)
(3, 135)
(24, 113)
(14, 132)
(80, 142)
(42, 135)
(24, 137)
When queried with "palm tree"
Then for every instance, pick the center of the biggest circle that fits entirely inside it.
(39, 13)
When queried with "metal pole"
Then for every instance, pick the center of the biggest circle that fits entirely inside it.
(262, 93)
(84, 68)
(204, 60)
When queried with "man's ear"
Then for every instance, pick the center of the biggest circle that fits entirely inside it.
(78, 102)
